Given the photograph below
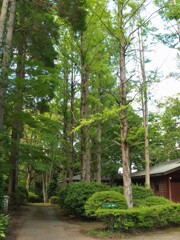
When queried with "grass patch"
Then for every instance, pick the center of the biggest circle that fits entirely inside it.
(102, 233)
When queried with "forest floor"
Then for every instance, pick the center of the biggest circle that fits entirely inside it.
(39, 222)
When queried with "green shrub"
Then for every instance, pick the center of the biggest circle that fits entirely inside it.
(16, 199)
(138, 192)
(33, 198)
(52, 188)
(54, 200)
(1, 192)
(62, 195)
(97, 200)
(140, 218)
(155, 200)
(4, 221)
(24, 191)
(76, 194)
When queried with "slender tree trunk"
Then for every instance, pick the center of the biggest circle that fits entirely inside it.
(85, 151)
(6, 58)
(65, 126)
(44, 185)
(71, 157)
(123, 114)
(29, 178)
(145, 110)
(99, 140)
(3, 17)
(17, 125)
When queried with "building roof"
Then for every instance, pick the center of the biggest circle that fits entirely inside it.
(160, 169)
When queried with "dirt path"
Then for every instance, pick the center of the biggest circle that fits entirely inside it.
(42, 223)
(48, 223)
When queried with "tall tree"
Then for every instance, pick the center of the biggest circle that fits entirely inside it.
(6, 53)
(144, 107)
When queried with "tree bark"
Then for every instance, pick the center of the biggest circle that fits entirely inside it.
(145, 110)
(123, 113)
(71, 157)
(6, 57)
(3, 17)
(29, 178)
(45, 185)
(99, 139)
(65, 126)
(85, 151)
(17, 125)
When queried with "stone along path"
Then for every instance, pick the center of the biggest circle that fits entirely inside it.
(42, 223)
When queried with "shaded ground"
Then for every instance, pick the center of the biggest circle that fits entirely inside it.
(50, 223)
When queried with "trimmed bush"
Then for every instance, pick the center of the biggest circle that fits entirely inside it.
(140, 218)
(4, 221)
(54, 200)
(33, 198)
(96, 201)
(155, 200)
(139, 192)
(75, 195)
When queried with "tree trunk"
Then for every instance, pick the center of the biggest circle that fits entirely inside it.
(6, 57)
(85, 151)
(145, 110)
(99, 140)
(29, 178)
(17, 125)
(123, 114)
(3, 17)
(71, 156)
(65, 126)
(44, 185)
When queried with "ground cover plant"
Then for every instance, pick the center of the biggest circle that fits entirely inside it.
(4, 221)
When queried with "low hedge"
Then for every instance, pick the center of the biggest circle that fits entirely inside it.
(75, 195)
(140, 218)
(4, 221)
(96, 201)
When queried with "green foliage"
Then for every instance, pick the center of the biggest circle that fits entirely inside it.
(24, 191)
(4, 221)
(75, 196)
(17, 199)
(155, 200)
(33, 198)
(52, 188)
(73, 11)
(140, 218)
(139, 192)
(1, 192)
(97, 200)
(54, 200)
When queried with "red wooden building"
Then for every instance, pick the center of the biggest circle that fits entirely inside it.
(165, 179)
